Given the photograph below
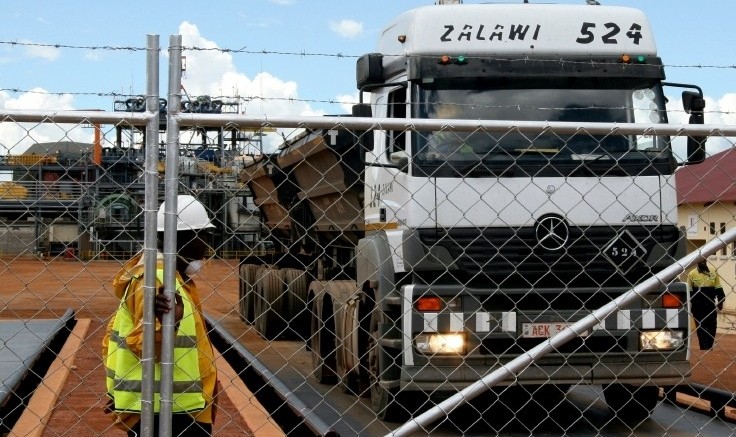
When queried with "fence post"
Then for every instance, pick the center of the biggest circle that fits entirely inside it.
(149, 234)
(171, 189)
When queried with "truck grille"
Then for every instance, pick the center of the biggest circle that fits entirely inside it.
(512, 257)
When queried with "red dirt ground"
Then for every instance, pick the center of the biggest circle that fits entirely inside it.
(46, 289)
(31, 288)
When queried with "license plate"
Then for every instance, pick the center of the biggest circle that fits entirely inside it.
(542, 330)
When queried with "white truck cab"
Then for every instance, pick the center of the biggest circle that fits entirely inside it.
(497, 240)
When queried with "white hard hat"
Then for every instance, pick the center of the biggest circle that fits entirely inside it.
(191, 215)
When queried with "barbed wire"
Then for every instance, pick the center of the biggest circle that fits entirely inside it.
(70, 46)
(329, 101)
(304, 53)
(68, 93)
(269, 52)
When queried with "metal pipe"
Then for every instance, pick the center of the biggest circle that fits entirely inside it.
(242, 121)
(520, 363)
(171, 188)
(76, 117)
(150, 249)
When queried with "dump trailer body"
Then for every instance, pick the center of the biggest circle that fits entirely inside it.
(273, 193)
(328, 170)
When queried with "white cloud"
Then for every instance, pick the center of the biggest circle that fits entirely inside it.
(726, 107)
(720, 112)
(283, 2)
(347, 28)
(347, 101)
(43, 52)
(93, 55)
(15, 138)
(214, 73)
(717, 112)
(38, 98)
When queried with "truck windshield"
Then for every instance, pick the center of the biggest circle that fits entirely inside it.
(610, 100)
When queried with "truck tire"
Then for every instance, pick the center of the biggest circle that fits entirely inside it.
(322, 338)
(385, 402)
(297, 315)
(631, 404)
(248, 279)
(349, 377)
(349, 344)
(269, 320)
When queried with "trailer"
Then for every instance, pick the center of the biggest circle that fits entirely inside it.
(426, 259)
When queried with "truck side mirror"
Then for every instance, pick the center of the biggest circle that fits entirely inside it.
(365, 138)
(694, 104)
(362, 110)
(369, 70)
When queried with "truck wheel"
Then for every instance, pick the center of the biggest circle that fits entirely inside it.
(385, 402)
(297, 317)
(269, 315)
(631, 404)
(248, 275)
(349, 382)
(322, 343)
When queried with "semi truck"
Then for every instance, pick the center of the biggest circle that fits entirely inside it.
(415, 262)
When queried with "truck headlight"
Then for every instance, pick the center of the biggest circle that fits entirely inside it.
(661, 340)
(437, 343)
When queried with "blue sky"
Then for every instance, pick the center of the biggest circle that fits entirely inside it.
(688, 33)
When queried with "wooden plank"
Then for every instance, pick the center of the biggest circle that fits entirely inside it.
(36, 415)
(253, 413)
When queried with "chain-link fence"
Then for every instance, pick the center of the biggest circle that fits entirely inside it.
(477, 276)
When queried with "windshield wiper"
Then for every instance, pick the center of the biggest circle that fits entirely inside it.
(586, 160)
(540, 150)
(481, 168)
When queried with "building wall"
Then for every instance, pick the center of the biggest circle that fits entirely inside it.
(18, 239)
(703, 222)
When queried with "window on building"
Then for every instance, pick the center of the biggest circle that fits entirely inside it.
(724, 251)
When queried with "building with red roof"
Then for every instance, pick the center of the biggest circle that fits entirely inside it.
(706, 198)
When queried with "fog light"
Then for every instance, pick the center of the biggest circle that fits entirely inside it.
(436, 343)
(661, 340)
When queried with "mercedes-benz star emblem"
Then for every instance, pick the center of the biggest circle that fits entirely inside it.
(552, 233)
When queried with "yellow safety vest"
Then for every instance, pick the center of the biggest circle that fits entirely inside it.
(700, 279)
(125, 372)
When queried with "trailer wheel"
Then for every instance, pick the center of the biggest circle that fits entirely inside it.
(269, 320)
(297, 316)
(385, 402)
(631, 404)
(247, 300)
(322, 343)
(241, 293)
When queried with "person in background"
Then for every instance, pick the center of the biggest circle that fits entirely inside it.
(195, 374)
(447, 144)
(705, 302)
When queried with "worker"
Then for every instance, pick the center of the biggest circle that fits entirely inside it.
(448, 144)
(706, 300)
(195, 375)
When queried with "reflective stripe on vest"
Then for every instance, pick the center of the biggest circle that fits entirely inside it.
(125, 373)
